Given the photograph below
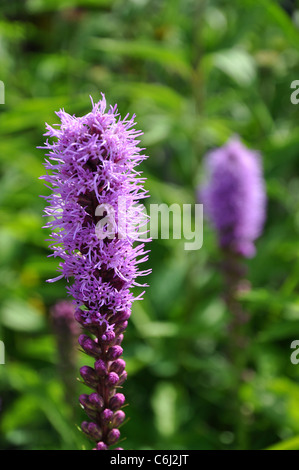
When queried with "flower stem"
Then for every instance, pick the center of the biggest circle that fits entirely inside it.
(234, 274)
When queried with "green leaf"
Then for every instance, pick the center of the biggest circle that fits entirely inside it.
(174, 59)
(277, 15)
(21, 316)
(158, 93)
(237, 64)
(165, 406)
(288, 444)
(22, 412)
(37, 6)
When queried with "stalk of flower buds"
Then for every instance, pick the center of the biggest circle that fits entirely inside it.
(66, 331)
(234, 200)
(95, 221)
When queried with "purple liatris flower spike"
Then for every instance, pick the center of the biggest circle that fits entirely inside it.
(95, 220)
(234, 198)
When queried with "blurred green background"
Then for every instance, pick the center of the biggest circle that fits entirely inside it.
(195, 73)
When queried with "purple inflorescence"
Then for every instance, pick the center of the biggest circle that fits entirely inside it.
(234, 198)
(95, 219)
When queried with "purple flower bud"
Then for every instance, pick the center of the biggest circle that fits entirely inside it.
(106, 416)
(118, 366)
(101, 368)
(121, 327)
(112, 379)
(96, 400)
(117, 401)
(92, 430)
(82, 339)
(113, 436)
(84, 400)
(101, 446)
(91, 413)
(234, 197)
(84, 426)
(119, 339)
(122, 378)
(126, 315)
(114, 352)
(79, 316)
(120, 316)
(89, 346)
(118, 418)
(108, 337)
(89, 376)
(95, 431)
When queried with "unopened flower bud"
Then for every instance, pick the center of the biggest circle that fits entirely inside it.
(119, 339)
(118, 366)
(112, 379)
(101, 368)
(117, 401)
(79, 316)
(89, 376)
(122, 378)
(84, 401)
(96, 400)
(121, 327)
(114, 352)
(95, 431)
(101, 446)
(120, 316)
(113, 436)
(118, 418)
(89, 346)
(106, 416)
(108, 336)
(84, 426)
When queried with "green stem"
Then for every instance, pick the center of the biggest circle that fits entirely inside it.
(234, 274)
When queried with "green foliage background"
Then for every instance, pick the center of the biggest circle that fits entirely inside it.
(195, 73)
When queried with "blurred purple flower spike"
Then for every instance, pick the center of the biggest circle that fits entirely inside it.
(234, 198)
